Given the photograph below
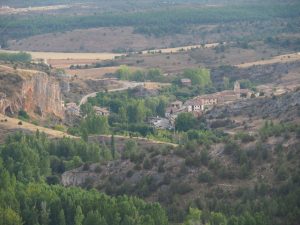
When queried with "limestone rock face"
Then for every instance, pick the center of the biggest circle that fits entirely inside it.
(38, 94)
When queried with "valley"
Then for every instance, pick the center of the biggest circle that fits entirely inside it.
(149, 112)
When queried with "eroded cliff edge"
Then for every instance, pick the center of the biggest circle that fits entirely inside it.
(32, 91)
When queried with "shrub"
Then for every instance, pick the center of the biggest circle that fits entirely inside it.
(180, 188)
(194, 160)
(23, 115)
(147, 165)
(231, 147)
(205, 177)
(129, 173)
(282, 173)
(244, 137)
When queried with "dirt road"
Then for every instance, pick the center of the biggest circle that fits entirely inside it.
(132, 138)
(126, 85)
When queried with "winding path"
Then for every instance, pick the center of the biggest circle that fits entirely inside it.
(126, 85)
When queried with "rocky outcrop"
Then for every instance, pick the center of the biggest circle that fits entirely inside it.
(36, 94)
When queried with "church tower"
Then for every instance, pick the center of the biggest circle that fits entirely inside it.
(237, 89)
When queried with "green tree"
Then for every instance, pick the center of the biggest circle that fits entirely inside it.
(94, 218)
(113, 146)
(84, 134)
(79, 217)
(226, 83)
(193, 217)
(86, 108)
(185, 122)
(61, 217)
(95, 124)
(199, 77)
(124, 72)
(136, 112)
(123, 114)
(129, 149)
(218, 219)
(45, 214)
(161, 108)
(9, 217)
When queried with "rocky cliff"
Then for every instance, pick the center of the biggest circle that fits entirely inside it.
(34, 92)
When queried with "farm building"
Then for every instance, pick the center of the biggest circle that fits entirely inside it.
(186, 82)
(101, 111)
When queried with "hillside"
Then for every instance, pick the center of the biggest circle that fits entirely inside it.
(150, 112)
(253, 166)
(9, 125)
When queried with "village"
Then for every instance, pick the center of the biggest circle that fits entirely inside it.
(200, 104)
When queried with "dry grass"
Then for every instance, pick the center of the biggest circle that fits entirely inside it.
(155, 85)
(180, 49)
(94, 73)
(32, 9)
(69, 56)
(11, 125)
(66, 63)
(21, 72)
(277, 59)
(104, 39)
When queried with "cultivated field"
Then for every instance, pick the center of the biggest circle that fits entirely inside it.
(68, 56)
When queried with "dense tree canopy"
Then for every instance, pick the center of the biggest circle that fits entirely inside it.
(15, 57)
(25, 198)
(199, 77)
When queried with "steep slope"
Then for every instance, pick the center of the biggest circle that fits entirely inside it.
(30, 90)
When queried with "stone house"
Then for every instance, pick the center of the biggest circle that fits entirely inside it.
(101, 111)
(72, 109)
(177, 104)
(186, 82)
(201, 103)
